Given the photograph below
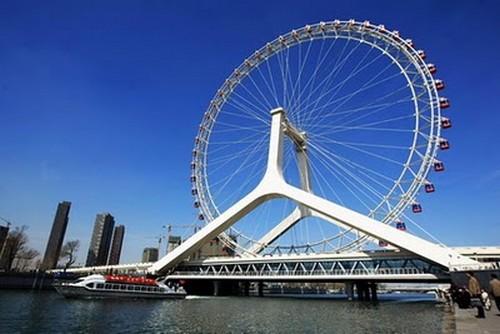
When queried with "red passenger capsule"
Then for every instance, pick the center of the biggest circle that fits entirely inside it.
(444, 144)
(429, 188)
(432, 68)
(416, 208)
(445, 123)
(401, 226)
(444, 103)
(438, 166)
(439, 84)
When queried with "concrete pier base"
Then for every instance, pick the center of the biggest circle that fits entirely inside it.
(363, 291)
(373, 291)
(349, 290)
(260, 289)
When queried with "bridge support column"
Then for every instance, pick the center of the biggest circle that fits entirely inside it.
(349, 290)
(217, 286)
(260, 289)
(373, 290)
(244, 288)
(363, 291)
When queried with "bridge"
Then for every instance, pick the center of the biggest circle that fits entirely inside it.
(383, 266)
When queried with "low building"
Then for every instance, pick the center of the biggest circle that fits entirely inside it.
(150, 254)
(213, 248)
(173, 242)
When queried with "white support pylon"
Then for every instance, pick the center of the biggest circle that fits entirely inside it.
(273, 185)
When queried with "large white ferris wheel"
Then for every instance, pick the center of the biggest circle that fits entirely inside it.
(368, 108)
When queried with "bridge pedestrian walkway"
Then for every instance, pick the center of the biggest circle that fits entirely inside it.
(467, 323)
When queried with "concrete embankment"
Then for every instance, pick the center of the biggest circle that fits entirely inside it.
(31, 280)
(467, 323)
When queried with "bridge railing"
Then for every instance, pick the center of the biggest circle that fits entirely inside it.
(335, 272)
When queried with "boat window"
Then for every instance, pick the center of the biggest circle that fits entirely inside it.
(108, 286)
(130, 287)
(100, 285)
(144, 288)
(90, 285)
(115, 286)
(123, 287)
(137, 288)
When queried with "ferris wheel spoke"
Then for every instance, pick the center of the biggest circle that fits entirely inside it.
(338, 87)
(359, 181)
(236, 127)
(372, 154)
(232, 155)
(346, 98)
(329, 140)
(319, 62)
(372, 105)
(269, 105)
(340, 178)
(349, 161)
(317, 175)
(232, 175)
(244, 114)
(332, 74)
(248, 106)
(368, 126)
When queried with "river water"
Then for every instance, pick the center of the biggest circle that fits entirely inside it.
(47, 312)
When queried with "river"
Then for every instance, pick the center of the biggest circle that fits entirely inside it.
(47, 312)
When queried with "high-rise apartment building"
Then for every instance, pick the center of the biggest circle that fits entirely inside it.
(116, 245)
(101, 240)
(56, 237)
(4, 231)
(150, 254)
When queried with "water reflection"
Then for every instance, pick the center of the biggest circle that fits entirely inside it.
(28, 312)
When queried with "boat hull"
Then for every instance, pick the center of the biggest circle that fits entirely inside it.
(81, 292)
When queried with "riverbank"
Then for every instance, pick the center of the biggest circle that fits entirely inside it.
(467, 323)
(29, 280)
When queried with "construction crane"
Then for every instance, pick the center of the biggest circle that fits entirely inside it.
(165, 235)
(169, 228)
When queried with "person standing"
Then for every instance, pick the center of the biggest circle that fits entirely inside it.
(495, 289)
(475, 292)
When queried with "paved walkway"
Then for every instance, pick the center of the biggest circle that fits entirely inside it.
(467, 323)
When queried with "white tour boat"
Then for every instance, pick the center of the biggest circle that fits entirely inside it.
(118, 286)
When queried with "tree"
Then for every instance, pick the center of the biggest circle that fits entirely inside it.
(14, 245)
(68, 252)
(24, 259)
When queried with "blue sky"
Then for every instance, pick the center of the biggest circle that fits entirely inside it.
(100, 102)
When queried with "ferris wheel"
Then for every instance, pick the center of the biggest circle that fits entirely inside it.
(366, 105)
